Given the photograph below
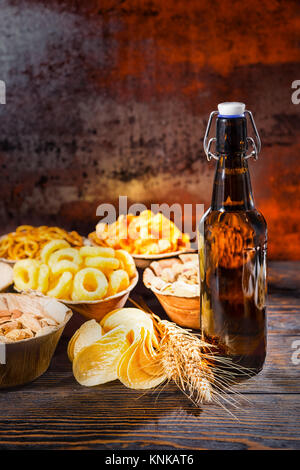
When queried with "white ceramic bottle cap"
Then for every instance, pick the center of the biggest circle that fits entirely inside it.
(231, 109)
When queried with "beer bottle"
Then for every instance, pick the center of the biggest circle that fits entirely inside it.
(232, 240)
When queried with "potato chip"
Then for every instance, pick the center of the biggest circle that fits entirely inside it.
(97, 364)
(138, 369)
(87, 334)
(131, 319)
(126, 245)
(150, 357)
(145, 247)
(123, 365)
(70, 348)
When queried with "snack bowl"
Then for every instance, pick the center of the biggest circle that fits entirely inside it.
(25, 360)
(181, 309)
(97, 309)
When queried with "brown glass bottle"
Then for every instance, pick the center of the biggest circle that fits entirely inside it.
(232, 250)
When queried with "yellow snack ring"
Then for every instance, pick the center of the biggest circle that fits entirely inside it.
(51, 247)
(64, 265)
(97, 251)
(68, 254)
(26, 274)
(63, 286)
(127, 261)
(89, 284)
(117, 281)
(105, 264)
(43, 278)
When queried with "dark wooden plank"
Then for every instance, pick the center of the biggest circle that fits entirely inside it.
(107, 419)
(279, 374)
(284, 276)
(283, 323)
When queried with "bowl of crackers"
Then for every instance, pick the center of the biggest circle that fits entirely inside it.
(175, 283)
(30, 328)
(147, 237)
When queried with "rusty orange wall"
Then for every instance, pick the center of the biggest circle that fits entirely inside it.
(112, 97)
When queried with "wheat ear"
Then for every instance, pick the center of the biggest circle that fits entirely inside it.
(193, 364)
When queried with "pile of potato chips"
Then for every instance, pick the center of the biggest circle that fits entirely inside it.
(145, 234)
(123, 346)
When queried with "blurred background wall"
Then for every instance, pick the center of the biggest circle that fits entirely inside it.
(111, 97)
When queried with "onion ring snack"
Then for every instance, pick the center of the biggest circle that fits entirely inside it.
(89, 284)
(68, 254)
(117, 281)
(63, 286)
(26, 274)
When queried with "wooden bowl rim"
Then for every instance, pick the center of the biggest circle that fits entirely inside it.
(162, 256)
(156, 256)
(176, 296)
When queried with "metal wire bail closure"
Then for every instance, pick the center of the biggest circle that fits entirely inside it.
(256, 147)
(207, 143)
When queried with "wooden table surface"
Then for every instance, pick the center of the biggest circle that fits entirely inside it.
(55, 412)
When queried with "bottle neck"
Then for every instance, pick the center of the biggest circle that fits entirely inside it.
(232, 186)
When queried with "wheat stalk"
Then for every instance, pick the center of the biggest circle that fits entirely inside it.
(193, 364)
(185, 362)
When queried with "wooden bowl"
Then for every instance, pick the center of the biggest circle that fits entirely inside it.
(185, 311)
(97, 309)
(28, 359)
